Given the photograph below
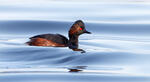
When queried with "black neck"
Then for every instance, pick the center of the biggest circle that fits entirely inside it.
(73, 41)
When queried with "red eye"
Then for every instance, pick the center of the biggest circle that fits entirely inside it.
(81, 29)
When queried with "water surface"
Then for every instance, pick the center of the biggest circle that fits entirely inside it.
(116, 51)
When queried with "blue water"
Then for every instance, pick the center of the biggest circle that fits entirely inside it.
(116, 51)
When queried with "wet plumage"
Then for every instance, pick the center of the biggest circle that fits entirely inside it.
(58, 40)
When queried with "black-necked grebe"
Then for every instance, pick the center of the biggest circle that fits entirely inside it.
(57, 40)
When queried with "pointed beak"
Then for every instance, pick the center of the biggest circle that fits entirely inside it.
(87, 32)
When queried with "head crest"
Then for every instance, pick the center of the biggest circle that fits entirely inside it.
(79, 22)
